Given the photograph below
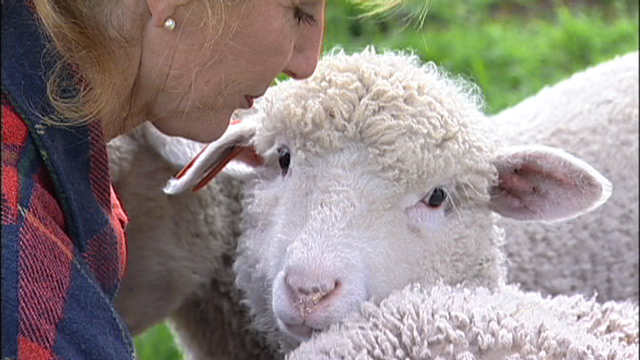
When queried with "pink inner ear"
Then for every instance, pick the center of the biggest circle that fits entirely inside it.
(245, 154)
(227, 156)
(546, 185)
(511, 185)
(249, 156)
(529, 187)
(530, 179)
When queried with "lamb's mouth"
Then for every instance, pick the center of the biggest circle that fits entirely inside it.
(302, 332)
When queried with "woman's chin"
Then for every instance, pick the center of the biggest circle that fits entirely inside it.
(202, 132)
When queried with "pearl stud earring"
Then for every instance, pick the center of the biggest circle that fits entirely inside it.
(169, 24)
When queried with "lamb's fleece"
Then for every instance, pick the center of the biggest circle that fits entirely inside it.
(180, 252)
(593, 115)
(446, 322)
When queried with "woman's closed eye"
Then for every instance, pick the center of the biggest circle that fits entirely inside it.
(303, 17)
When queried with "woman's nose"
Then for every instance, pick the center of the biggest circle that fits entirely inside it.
(306, 52)
(303, 63)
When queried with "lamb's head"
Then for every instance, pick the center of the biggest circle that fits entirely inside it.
(375, 173)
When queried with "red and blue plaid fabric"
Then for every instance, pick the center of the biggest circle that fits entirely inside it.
(63, 245)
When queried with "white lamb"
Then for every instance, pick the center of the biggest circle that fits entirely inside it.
(375, 173)
(594, 115)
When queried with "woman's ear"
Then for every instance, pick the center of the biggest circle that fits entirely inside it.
(162, 9)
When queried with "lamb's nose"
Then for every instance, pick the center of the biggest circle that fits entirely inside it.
(308, 292)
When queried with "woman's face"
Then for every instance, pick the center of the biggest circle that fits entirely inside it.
(192, 78)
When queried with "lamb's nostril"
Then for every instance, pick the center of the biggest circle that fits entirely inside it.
(307, 292)
(302, 291)
(305, 285)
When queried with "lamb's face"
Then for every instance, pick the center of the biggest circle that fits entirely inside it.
(373, 179)
(326, 233)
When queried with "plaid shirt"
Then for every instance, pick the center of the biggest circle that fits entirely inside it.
(63, 248)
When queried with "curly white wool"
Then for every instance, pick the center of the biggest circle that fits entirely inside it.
(446, 322)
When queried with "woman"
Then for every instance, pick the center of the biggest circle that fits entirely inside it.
(78, 73)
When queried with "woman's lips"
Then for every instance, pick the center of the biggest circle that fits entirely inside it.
(251, 98)
(249, 101)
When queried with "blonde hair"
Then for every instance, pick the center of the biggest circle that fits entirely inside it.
(82, 39)
(89, 47)
(413, 10)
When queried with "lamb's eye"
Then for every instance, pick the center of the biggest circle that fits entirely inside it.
(437, 197)
(284, 159)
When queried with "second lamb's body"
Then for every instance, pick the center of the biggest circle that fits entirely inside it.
(594, 115)
(180, 253)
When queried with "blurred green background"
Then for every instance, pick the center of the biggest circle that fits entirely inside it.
(510, 48)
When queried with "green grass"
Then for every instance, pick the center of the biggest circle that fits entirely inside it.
(511, 49)
(157, 344)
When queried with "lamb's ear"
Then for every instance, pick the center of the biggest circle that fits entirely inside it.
(235, 143)
(545, 184)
